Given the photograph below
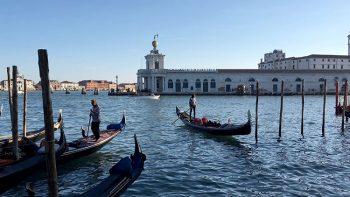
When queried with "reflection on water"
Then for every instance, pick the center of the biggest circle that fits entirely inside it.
(182, 162)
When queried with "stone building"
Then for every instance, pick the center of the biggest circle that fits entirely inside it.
(313, 69)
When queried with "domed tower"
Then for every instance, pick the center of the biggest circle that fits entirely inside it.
(154, 60)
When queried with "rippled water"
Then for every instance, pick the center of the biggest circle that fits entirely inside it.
(181, 162)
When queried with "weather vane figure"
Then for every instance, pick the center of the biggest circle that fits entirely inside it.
(155, 36)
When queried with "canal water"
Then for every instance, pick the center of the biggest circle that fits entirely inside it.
(182, 162)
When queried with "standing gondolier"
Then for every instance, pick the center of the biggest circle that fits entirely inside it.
(192, 102)
(95, 115)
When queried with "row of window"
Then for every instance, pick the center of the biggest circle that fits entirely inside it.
(197, 84)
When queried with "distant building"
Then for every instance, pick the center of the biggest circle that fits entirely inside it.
(313, 69)
(93, 84)
(67, 85)
(20, 84)
(127, 87)
(55, 85)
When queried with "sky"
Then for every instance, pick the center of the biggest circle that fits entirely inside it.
(99, 40)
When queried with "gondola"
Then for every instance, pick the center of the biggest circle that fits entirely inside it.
(122, 175)
(17, 170)
(31, 136)
(214, 127)
(87, 145)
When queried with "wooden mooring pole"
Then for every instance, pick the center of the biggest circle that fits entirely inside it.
(324, 106)
(9, 92)
(336, 97)
(345, 104)
(302, 108)
(15, 113)
(25, 109)
(256, 111)
(48, 117)
(281, 110)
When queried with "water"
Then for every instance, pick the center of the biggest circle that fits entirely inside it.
(181, 162)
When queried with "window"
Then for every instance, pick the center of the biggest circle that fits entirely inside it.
(298, 79)
(170, 83)
(293, 67)
(341, 67)
(156, 65)
(322, 60)
(314, 60)
(299, 60)
(185, 84)
(314, 66)
(328, 59)
(333, 60)
(322, 66)
(228, 80)
(328, 66)
(198, 83)
(275, 80)
(212, 83)
(333, 66)
(341, 60)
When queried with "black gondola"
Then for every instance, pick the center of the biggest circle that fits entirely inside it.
(17, 170)
(31, 136)
(122, 175)
(215, 128)
(87, 145)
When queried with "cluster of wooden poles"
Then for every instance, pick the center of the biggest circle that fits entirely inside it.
(48, 118)
(302, 108)
(13, 105)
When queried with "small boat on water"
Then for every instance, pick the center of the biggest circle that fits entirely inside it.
(146, 96)
(121, 175)
(12, 171)
(87, 145)
(6, 141)
(213, 127)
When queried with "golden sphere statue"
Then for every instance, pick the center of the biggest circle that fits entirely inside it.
(154, 44)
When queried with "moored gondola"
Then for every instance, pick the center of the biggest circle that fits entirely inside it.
(213, 127)
(31, 136)
(87, 145)
(15, 171)
(122, 175)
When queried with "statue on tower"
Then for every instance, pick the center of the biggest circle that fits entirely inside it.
(155, 43)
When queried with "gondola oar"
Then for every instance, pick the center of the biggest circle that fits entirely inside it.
(89, 126)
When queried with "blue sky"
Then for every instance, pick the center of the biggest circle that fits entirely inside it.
(102, 39)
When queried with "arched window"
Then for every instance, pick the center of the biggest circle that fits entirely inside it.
(198, 83)
(321, 79)
(170, 83)
(251, 79)
(212, 83)
(275, 80)
(298, 79)
(185, 85)
(228, 80)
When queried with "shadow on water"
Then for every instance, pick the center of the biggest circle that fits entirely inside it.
(225, 140)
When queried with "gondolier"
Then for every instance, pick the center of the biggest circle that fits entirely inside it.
(192, 102)
(95, 115)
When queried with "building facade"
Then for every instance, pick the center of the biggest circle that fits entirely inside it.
(95, 84)
(312, 69)
(20, 84)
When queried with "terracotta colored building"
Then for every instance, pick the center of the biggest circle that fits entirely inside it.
(93, 84)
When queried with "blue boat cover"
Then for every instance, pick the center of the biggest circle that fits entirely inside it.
(114, 126)
(123, 167)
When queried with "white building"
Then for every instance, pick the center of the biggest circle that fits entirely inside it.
(20, 84)
(67, 85)
(313, 69)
